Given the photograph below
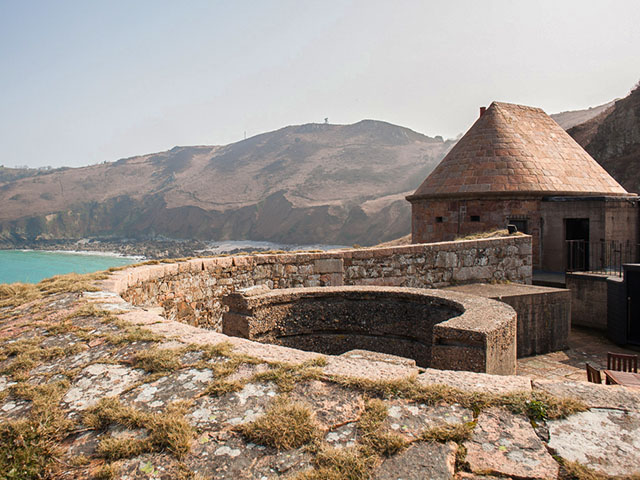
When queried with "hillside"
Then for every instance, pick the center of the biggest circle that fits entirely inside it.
(309, 183)
(572, 118)
(613, 139)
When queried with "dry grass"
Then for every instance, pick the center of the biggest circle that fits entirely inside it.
(89, 310)
(71, 283)
(449, 432)
(536, 405)
(286, 375)
(285, 425)
(576, 471)
(108, 471)
(16, 294)
(29, 446)
(370, 424)
(130, 334)
(157, 360)
(220, 387)
(502, 232)
(340, 464)
(25, 354)
(166, 431)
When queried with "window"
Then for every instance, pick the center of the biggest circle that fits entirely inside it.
(522, 224)
(475, 218)
(438, 219)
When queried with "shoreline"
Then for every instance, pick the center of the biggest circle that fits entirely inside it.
(94, 253)
(142, 250)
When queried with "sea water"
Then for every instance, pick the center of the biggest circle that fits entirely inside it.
(29, 266)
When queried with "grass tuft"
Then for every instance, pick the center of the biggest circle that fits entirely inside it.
(373, 436)
(340, 464)
(167, 431)
(286, 375)
(220, 387)
(108, 471)
(157, 360)
(285, 425)
(132, 334)
(26, 354)
(449, 432)
(29, 446)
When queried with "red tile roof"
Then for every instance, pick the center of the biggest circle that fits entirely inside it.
(517, 149)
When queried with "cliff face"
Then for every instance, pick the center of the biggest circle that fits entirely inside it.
(613, 139)
(301, 184)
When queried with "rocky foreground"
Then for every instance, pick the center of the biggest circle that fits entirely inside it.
(93, 387)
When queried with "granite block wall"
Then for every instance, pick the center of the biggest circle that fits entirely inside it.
(191, 291)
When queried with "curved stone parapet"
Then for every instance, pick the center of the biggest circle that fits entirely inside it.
(439, 329)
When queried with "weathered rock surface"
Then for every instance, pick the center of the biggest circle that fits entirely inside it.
(476, 382)
(434, 461)
(410, 419)
(594, 396)
(605, 440)
(194, 407)
(97, 381)
(506, 444)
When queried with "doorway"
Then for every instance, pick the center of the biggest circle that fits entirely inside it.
(577, 240)
(633, 305)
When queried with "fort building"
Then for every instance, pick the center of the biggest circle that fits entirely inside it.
(516, 165)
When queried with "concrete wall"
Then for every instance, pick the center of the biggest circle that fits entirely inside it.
(588, 299)
(191, 291)
(544, 314)
(441, 329)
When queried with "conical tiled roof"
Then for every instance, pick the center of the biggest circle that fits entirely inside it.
(517, 149)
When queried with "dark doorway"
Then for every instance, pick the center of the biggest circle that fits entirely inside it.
(577, 238)
(633, 299)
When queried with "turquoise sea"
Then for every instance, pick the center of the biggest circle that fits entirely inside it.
(31, 266)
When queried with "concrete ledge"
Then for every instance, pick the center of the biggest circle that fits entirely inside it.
(544, 314)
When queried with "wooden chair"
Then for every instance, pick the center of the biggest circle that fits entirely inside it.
(622, 362)
(593, 374)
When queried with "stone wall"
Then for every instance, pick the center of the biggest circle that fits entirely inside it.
(443, 219)
(191, 291)
(436, 328)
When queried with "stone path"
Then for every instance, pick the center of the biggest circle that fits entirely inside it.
(585, 346)
(93, 387)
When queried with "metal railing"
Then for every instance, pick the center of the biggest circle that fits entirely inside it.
(600, 257)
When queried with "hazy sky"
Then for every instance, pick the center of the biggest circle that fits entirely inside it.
(85, 81)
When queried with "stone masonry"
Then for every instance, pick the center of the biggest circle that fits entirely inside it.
(191, 291)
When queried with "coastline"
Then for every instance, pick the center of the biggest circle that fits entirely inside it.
(82, 252)
(141, 250)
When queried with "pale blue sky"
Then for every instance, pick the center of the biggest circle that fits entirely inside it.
(86, 81)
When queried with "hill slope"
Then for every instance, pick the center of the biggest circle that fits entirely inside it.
(613, 139)
(572, 118)
(309, 183)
